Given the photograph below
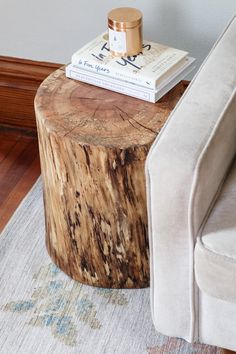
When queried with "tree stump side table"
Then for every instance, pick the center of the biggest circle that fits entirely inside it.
(93, 145)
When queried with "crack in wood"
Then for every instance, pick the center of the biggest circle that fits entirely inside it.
(96, 109)
(86, 151)
(76, 126)
(133, 119)
(89, 98)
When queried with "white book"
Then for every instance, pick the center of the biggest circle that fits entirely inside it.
(149, 68)
(127, 88)
(188, 61)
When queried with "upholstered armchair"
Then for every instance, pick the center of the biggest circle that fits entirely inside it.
(191, 190)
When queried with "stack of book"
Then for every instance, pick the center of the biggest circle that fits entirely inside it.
(148, 75)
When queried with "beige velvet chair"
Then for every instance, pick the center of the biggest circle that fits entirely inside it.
(191, 190)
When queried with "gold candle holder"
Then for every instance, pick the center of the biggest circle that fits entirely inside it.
(125, 31)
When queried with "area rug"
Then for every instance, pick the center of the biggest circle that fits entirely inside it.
(44, 311)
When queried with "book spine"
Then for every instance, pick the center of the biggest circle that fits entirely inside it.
(109, 78)
(102, 69)
(146, 95)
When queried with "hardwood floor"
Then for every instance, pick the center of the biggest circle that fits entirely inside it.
(19, 168)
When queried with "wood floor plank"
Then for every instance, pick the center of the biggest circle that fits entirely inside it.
(19, 191)
(19, 168)
(6, 136)
(5, 147)
(12, 156)
(12, 169)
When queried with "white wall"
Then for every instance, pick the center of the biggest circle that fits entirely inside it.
(51, 30)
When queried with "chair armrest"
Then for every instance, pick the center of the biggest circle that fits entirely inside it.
(184, 170)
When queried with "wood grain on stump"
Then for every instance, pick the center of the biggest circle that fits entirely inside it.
(93, 146)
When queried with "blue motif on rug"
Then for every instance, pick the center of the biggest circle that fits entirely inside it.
(59, 304)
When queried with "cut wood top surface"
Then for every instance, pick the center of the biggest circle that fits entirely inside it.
(94, 116)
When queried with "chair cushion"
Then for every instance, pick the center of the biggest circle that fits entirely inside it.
(215, 251)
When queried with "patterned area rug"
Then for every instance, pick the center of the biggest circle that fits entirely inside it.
(44, 311)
